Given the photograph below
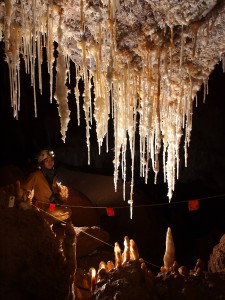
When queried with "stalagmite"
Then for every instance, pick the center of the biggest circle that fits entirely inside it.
(139, 65)
(169, 255)
(118, 256)
(134, 255)
(126, 252)
(102, 265)
(110, 265)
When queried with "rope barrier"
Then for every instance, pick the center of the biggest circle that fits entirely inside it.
(45, 212)
(97, 239)
(122, 207)
(140, 205)
(147, 262)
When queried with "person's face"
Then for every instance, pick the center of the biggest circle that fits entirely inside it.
(49, 163)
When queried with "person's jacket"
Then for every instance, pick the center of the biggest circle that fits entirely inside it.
(42, 190)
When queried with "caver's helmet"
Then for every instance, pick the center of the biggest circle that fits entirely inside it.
(43, 154)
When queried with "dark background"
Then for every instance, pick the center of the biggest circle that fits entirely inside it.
(195, 232)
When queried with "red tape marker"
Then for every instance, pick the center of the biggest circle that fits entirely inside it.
(110, 211)
(193, 205)
(52, 206)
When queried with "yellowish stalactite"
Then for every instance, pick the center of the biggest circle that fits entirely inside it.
(112, 40)
(86, 76)
(50, 45)
(101, 116)
(121, 90)
(145, 113)
(157, 120)
(171, 53)
(131, 133)
(40, 59)
(87, 97)
(182, 46)
(188, 124)
(11, 39)
(118, 136)
(13, 60)
(7, 23)
(179, 132)
(25, 43)
(205, 89)
(28, 41)
(34, 54)
(61, 94)
(125, 121)
(77, 94)
(113, 5)
(61, 89)
(195, 38)
(82, 15)
(102, 96)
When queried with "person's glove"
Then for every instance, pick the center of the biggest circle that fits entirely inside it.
(63, 191)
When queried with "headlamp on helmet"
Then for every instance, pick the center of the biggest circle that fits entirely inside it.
(44, 154)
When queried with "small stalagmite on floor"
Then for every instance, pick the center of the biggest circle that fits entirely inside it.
(126, 278)
(129, 278)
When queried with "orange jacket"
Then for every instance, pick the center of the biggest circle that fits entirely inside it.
(42, 191)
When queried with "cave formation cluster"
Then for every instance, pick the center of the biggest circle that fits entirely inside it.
(145, 60)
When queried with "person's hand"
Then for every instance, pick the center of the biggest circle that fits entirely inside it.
(63, 191)
(30, 196)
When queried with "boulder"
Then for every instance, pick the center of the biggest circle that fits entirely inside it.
(216, 261)
(31, 263)
(83, 211)
(89, 239)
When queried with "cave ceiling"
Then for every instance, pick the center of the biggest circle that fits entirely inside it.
(146, 59)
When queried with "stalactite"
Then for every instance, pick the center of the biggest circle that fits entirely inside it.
(61, 89)
(33, 56)
(50, 45)
(195, 40)
(150, 98)
(77, 95)
(182, 46)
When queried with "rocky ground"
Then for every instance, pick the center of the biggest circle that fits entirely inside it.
(38, 261)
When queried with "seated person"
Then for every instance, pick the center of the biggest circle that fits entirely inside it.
(43, 189)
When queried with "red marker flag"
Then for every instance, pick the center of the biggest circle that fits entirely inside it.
(52, 206)
(193, 205)
(110, 211)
